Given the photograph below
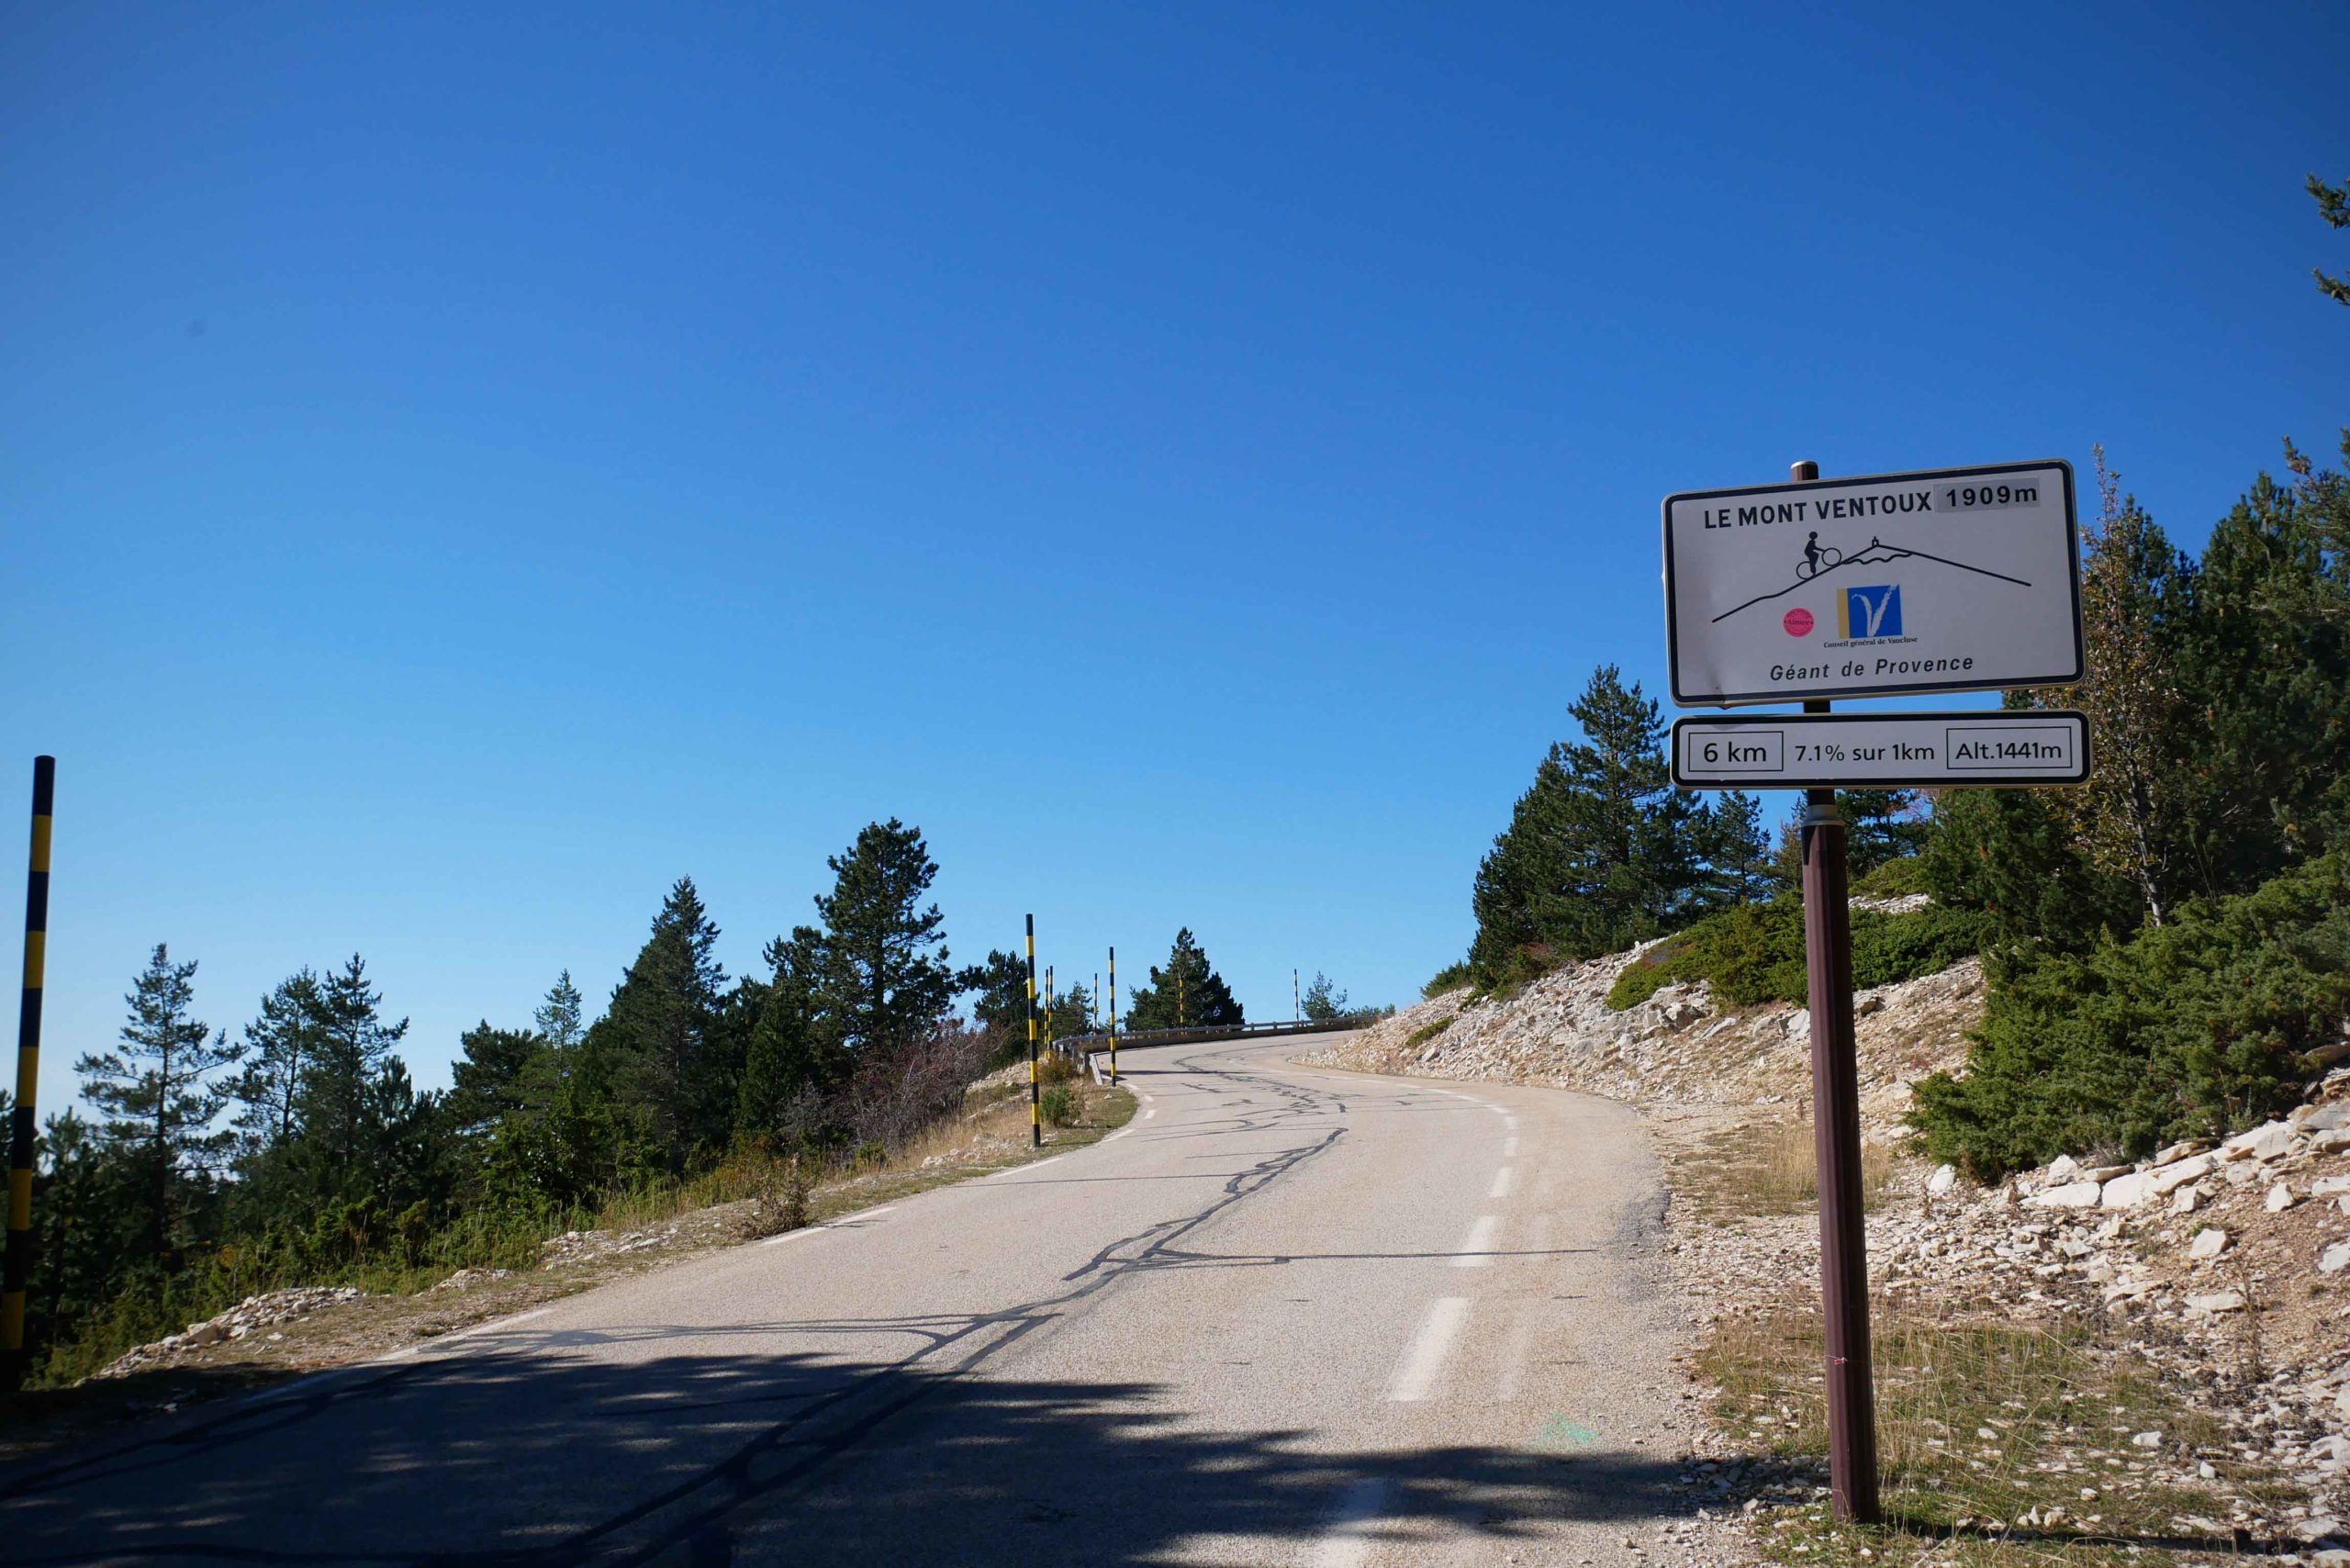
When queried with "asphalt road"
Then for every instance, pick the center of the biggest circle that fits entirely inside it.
(1289, 1315)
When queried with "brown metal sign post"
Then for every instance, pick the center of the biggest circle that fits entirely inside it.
(1836, 1132)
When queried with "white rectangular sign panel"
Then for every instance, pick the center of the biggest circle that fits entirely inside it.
(1960, 579)
(1779, 751)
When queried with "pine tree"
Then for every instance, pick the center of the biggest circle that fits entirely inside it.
(1071, 1013)
(1187, 993)
(654, 1040)
(1735, 848)
(559, 1017)
(1002, 986)
(1323, 1001)
(494, 1075)
(86, 1230)
(1518, 896)
(885, 982)
(2011, 853)
(2265, 664)
(281, 1044)
(1879, 825)
(340, 1104)
(790, 1055)
(158, 1095)
(2129, 819)
(1600, 853)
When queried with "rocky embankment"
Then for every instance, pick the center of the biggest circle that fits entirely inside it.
(255, 1314)
(1677, 1047)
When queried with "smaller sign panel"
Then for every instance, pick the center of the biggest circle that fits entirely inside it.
(1780, 751)
(1958, 579)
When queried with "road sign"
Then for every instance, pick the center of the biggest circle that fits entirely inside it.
(1957, 580)
(1778, 751)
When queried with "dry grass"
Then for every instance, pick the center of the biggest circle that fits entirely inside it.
(1768, 1169)
(993, 1134)
(1980, 1421)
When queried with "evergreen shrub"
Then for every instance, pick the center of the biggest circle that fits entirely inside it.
(2197, 1027)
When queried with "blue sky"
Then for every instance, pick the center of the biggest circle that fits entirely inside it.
(460, 474)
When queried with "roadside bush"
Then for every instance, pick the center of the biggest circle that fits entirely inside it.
(1059, 1105)
(1426, 1032)
(1894, 878)
(2197, 1027)
(781, 1202)
(1890, 947)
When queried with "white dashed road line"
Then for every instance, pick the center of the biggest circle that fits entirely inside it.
(1502, 1179)
(1472, 1251)
(1424, 1358)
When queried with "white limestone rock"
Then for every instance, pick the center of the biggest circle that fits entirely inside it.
(2071, 1195)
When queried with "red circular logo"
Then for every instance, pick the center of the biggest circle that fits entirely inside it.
(1797, 622)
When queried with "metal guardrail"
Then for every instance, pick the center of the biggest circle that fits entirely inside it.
(1132, 1039)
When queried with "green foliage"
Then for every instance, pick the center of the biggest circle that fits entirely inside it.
(1070, 1014)
(2008, 855)
(791, 1055)
(493, 1074)
(1426, 1032)
(159, 1094)
(1880, 826)
(1452, 977)
(280, 1046)
(2196, 1027)
(1059, 1104)
(1186, 993)
(1894, 878)
(654, 1042)
(1737, 851)
(561, 1018)
(1002, 986)
(1601, 851)
(344, 1171)
(2334, 206)
(1323, 1000)
(1754, 953)
(884, 981)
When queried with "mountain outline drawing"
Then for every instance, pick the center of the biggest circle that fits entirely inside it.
(1877, 553)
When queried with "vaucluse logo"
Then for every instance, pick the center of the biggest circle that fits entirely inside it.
(1869, 612)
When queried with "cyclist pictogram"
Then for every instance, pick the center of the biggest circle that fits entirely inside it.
(1819, 558)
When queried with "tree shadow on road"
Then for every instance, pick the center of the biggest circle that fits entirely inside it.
(536, 1455)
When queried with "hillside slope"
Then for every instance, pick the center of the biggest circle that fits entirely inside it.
(1675, 1048)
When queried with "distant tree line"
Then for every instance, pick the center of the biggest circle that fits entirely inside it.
(300, 1147)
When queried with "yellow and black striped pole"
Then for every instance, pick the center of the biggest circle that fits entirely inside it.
(18, 1268)
(1036, 1098)
(1114, 1015)
(1050, 998)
